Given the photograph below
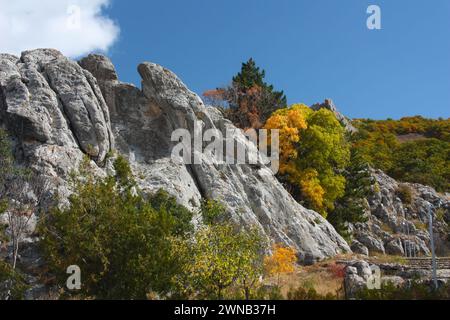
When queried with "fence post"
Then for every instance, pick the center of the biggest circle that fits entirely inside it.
(433, 253)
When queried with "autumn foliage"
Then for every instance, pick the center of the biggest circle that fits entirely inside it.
(313, 151)
(337, 270)
(289, 122)
(412, 149)
(281, 261)
(249, 101)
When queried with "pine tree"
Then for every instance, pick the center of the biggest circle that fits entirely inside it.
(250, 75)
(251, 100)
(351, 207)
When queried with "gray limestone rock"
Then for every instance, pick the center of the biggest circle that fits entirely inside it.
(402, 228)
(329, 105)
(58, 111)
(359, 248)
(395, 247)
(372, 243)
(48, 99)
(252, 195)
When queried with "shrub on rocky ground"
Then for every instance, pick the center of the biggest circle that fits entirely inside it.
(309, 294)
(404, 192)
(413, 290)
(12, 283)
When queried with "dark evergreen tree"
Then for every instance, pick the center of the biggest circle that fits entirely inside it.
(250, 75)
(250, 99)
(351, 207)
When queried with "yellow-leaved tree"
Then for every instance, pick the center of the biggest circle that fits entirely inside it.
(282, 260)
(313, 153)
(290, 121)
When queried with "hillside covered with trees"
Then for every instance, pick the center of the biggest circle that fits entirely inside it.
(89, 181)
(412, 149)
(327, 168)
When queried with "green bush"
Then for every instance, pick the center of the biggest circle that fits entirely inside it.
(212, 212)
(352, 206)
(224, 263)
(129, 246)
(309, 294)
(404, 192)
(223, 260)
(12, 283)
(412, 291)
(123, 243)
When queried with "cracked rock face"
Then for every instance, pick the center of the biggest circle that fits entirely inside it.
(402, 229)
(52, 100)
(59, 111)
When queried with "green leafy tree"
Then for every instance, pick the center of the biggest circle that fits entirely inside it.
(225, 262)
(12, 283)
(412, 149)
(181, 217)
(123, 243)
(377, 148)
(251, 262)
(313, 155)
(324, 149)
(426, 162)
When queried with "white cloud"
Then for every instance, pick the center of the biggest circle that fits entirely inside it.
(75, 27)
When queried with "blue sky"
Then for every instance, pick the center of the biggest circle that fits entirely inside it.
(311, 49)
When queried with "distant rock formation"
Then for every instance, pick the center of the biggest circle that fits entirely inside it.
(398, 228)
(329, 105)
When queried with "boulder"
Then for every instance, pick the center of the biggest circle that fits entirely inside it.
(402, 228)
(395, 247)
(397, 281)
(353, 283)
(359, 248)
(372, 243)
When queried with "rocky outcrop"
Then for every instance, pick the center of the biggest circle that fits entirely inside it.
(358, 248)
(56, 115)
(363, 275)
(60, 111)
(251, 194)
(401, 227)
(358, 276)
(142, 133)
(52, 100)
(329, 105)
